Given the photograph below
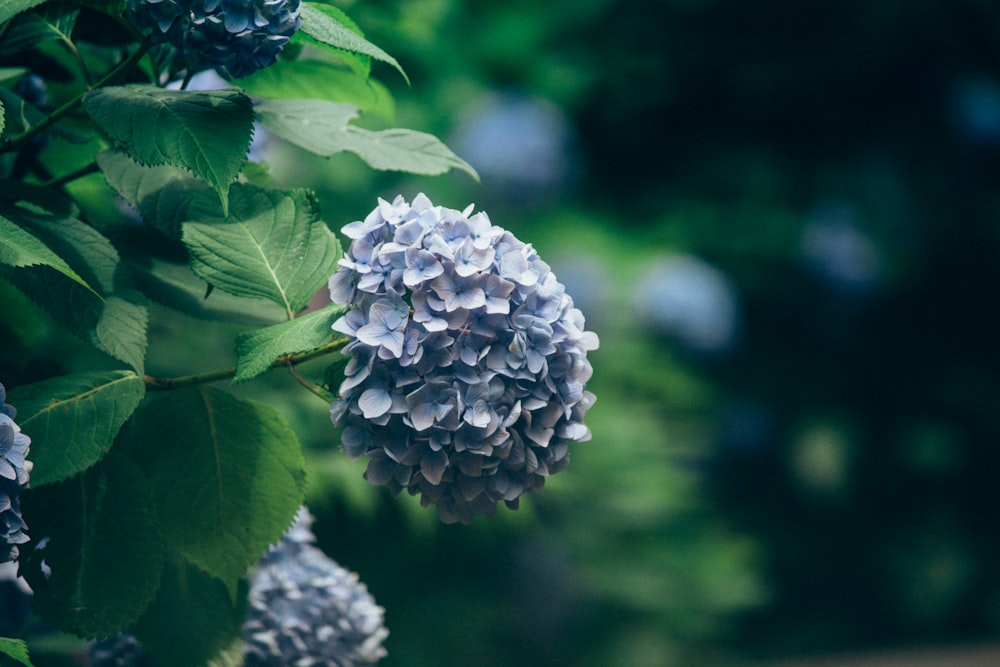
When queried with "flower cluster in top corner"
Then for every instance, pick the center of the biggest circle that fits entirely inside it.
(468, 361)
(237, 37)
(14, 471)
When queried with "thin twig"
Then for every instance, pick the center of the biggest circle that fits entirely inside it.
(72, 105)
(288, 360)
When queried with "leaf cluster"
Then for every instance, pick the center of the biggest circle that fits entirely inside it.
(124, 195)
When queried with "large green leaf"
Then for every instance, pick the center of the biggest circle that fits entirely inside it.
(15, 649)
(318, 80)
(162, 271)
(257, 350)
(51, 22)
(228, 475)
(206, 132)
(322, 128)
(404, 150)
(192, 619)
(272, 245)
(316, 125)
(11, 8)
(20, 248)
(327, 27)
(73, 420)
(159, 194)
(114, 322)
(174, 284)
(104, 552)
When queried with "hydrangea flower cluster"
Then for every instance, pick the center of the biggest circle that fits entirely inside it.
(468, 360)
(14, 471)
(304, 610)
(235, 36)
(120, 650)
(307, 610)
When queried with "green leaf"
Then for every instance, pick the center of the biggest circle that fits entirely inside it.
(228, 475)
(51, 22)
(316, 125)
(176, 286)
(316, 80)
(3, 117)
(205, 132)
(19, 248)
(15, 649)
(327, 27)
(359, 63)
(114, 322)
(11, 8)
(272, 246)
(404, 150)
(11, 73)
(73, 420)
(104, 554)
(192, 619)
(257, 350)
(322, 128)
(160, 194)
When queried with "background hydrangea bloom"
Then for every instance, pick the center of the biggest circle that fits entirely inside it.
(14, 471)
(307, 610)
(235, 36)
(304, 609)
(468, 359)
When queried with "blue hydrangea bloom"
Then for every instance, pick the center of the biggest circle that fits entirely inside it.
(307, 610)
(14, 471)
(468, 360)
(237, 37)
(304, 609)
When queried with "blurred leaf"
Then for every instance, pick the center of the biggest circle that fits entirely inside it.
(321, 127)
(52, 21)
(403, 150)
(257, 350)
(19, 248)
(272, 246)
(10, 74)
(206, 132)
(326, 26)
(11, 8)
(228, 475)
(116, 323)
(73, 420)
(160, 194)
(312, 124)
(15, 649)
(192, 619)
(104, 551)
(316, 80)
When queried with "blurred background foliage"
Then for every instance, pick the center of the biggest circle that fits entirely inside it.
(780, 218)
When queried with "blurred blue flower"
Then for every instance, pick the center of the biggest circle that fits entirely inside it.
(307, 610)
(484, 352)
(692, 302)
(14, 470)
